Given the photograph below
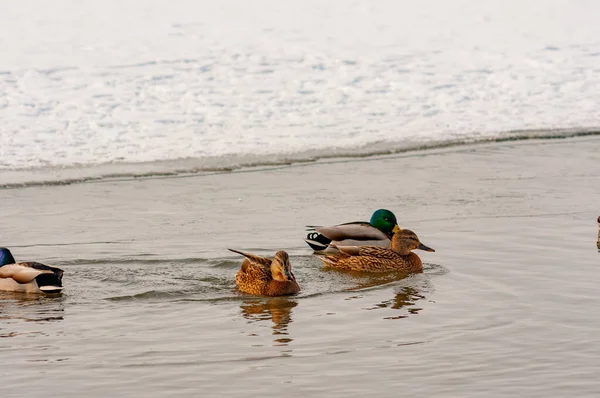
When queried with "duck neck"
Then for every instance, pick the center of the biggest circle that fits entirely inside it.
(416, 265)
(398, 246)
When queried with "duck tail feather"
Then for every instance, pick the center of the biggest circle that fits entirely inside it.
(316, 246)
(51, 289)
(237, 251)
(247, 255)
(318, 238)
(327, 260)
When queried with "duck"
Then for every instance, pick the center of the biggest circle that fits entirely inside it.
(376, 232)
(379, 259)
(28, 277)
(261, 276)
(598, 243)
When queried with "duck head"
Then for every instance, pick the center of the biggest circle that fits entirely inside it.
(281, 269)
(406, 240)
(385, 221)
(6, 257)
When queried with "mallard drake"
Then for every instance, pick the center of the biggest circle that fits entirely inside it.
(376, 232)
(379, 259)
(28, 277)
(263, 277)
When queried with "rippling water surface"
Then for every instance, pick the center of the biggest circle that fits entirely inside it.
(505, 305)
(140, 140)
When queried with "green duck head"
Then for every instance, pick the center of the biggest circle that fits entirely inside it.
(385, 221)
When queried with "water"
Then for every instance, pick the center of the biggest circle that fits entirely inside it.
(150, 306)
(141, 141)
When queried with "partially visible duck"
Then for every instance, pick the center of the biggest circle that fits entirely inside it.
(28, 277)
(376, 232)
(263, 277)
(379, 259)
(598, 243)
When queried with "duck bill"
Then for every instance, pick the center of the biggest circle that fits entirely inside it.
(426, 248)
(396, 229)
(290, 276)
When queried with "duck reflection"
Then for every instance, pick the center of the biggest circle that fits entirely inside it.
(362, 281)
(278, 310)
(407, 299)
(409, 290)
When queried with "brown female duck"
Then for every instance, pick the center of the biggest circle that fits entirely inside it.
(263, 277)
(379, 259)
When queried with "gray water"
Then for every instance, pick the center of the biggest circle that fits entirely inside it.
(505, 306)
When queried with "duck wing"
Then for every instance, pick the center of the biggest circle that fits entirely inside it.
(43, 267)
(368, 251)
(330, 260)
(27, 271)
(378, 252)
(360, 231)
(349, 250)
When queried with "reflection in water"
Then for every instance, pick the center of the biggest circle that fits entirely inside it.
(406, 297)
(409, 289)
(278, 310)
(364, 281)
(15, 307)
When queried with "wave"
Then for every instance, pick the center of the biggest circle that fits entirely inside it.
(211, 165)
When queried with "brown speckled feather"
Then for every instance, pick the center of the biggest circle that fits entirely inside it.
(379, 252)
(372, 259)
(277, 288)
(254, 277)
(378, 259)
